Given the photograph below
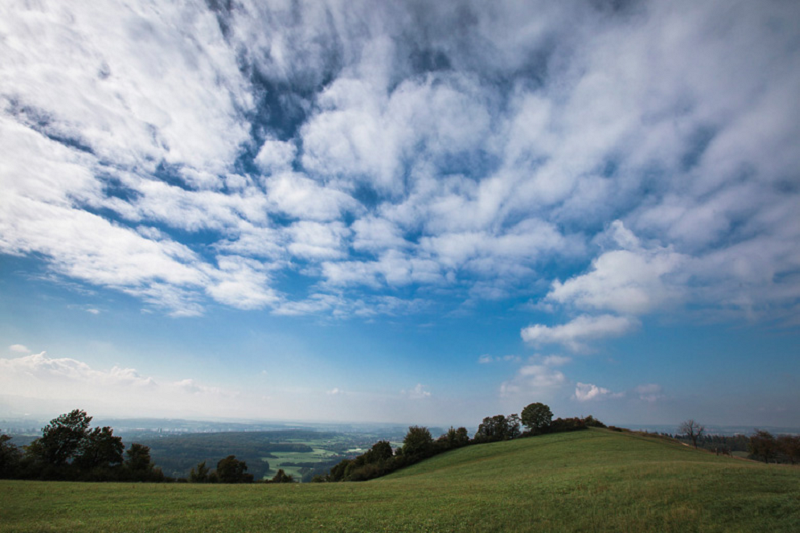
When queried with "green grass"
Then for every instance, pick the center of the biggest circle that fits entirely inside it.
(279, 458)
(586, 481)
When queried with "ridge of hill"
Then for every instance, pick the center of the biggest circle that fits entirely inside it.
(595, 480)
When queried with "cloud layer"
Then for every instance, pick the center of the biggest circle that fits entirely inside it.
(612, 163)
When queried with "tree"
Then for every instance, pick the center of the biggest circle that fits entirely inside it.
(417, 441)
(9, 458)
(461, 438)
(138, 465)
(493, 428)
(789, 445)
(231, 470)
(455, 438)
(200, 474)
(282, 477)
(380, 451)
(138, 458)
(537, 417)
(763, 444)
(513, 426)
(62, 438)
(100, 449)
(692, 430)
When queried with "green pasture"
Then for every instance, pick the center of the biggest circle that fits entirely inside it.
(279, 460)
(595, 480)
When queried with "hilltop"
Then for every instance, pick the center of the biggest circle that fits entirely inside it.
(595, 480)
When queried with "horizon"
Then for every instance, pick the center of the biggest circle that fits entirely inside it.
(401, 213)
(232, 425)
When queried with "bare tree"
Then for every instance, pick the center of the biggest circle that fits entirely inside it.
(693, 430)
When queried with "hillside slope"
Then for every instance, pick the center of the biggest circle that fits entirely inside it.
(594, 480)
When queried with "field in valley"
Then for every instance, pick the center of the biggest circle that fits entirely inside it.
(596, 480)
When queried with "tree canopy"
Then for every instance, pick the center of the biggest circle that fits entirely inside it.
(537, 417)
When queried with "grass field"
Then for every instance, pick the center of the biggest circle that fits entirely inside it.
(594, 480)
(280, 459)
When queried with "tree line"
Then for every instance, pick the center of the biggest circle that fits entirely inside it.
(419, 444)
(760, 445)
(70, 450)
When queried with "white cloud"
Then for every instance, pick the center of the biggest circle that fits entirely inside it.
(585, 392)
(376, 234)
(301, 197)
(399, 160)
(41, 368)
(575, 333)
(628, 281)
(242, 283)
(131, 84)
(63, 382)
(316, 241)
(650, 392)
(275, 156)
(19, 348)
(486, 359)
(417, 393)
(555, 360)
(538, 379)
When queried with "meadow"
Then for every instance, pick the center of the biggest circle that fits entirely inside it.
(595, 480)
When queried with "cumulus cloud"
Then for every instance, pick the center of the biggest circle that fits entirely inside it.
(576, 333)
(275, 156)
(536, 377)
(585, 392)
(533, 379)
(630, 281)
(19, 348)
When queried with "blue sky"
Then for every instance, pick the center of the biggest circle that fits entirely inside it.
(412, 212)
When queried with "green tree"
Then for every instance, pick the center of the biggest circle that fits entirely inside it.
(692, 430)
(100, 449)
(455, 438)
(138, 458)
(231, 470)
(763, 444)
(139, 467)
(200, 474)
(380, 451)
(62, 438)
(537, 417)
(789, 445)
(513, 422)
(417, 441)
(9, 458)
(282, 477)
(493, 428)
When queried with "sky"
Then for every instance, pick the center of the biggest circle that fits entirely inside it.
(401, 211)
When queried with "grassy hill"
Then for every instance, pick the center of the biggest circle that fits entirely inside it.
(596, 480)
